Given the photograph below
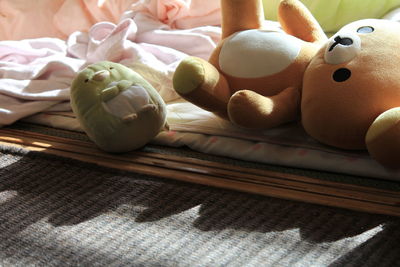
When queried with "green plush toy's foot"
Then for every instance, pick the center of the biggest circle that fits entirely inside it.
(383, 139)
(199, 82)
(251, 110)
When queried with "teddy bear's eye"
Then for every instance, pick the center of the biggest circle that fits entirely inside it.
(341, 75)
(365, 29)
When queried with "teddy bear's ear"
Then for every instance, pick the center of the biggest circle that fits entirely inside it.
(239, 15)
(298, 21)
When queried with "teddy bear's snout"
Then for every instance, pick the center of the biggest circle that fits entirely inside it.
(342, 47)
(343, 41)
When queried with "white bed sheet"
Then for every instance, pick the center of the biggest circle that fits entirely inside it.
(287, 145)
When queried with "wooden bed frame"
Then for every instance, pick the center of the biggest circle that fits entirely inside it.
(214, 173)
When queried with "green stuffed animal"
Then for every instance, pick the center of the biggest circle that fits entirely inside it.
(118, 109)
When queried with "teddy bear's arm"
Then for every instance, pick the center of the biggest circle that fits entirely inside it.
(383, 138)
(239, 15)
(251, 110)
(298, 21)
(199, 82)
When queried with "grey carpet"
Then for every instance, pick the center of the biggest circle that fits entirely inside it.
(60, 212)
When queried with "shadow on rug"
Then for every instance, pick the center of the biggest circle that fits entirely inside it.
(51, 208)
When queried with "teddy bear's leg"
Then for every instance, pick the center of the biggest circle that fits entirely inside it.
(383, 138)
(298, 21)
(251, 110)
(239, 15)
(199, 82)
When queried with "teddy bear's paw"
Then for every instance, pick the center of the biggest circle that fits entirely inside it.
(383, 138)
(251, 110)
(189, 75)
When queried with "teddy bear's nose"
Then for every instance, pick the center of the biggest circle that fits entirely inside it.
(343, 41)
(342, 47)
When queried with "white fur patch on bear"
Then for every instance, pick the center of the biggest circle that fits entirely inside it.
(258, 53)
(336, 53)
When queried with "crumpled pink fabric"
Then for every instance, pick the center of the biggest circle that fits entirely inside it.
(182, 14)
(86, 13)
(36, 74)
(23, 19)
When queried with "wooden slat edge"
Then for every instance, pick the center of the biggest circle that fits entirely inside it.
(266, 178)
(86, 147)
(267, 190)
(383, 205)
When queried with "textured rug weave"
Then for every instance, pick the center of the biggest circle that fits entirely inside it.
(61, 212)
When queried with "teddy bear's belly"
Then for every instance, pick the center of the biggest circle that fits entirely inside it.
(258, 53)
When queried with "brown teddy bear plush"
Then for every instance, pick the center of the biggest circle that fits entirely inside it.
(347, 87)
(351, 90)
(254, 76)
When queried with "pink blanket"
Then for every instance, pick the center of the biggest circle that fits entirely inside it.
(36, 73)
(22, 19)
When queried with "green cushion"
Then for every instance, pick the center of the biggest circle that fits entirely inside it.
(333, 14)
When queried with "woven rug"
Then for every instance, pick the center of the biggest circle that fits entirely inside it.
(57, 211)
